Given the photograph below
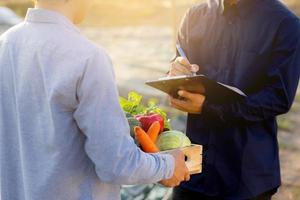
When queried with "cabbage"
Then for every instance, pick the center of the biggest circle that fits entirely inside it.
(172, 140)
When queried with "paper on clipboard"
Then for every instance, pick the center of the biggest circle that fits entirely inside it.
(235, 89)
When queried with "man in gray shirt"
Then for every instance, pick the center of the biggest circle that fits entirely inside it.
(63, 135)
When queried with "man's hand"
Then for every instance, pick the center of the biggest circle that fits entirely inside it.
(181, 66)
(191, 103)
(181, 172)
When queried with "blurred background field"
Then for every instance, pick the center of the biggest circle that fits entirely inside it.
(139, 36)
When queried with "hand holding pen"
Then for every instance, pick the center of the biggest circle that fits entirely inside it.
(187, 102)
(182, 66)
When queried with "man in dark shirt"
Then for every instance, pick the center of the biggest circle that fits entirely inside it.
(253, 45)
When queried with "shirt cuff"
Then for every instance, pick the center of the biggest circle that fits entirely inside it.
(211, 111)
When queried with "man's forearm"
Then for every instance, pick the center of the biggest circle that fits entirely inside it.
(266, 104)
(145, 170)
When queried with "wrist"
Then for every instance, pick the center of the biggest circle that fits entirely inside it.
(169, 163)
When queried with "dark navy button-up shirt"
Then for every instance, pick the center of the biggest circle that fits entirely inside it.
(254, 46)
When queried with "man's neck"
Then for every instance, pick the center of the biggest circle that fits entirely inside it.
(60, 8)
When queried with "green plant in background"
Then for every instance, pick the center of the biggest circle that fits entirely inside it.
(295, 107)
(297, 99)
(296, 192)
(284, 123)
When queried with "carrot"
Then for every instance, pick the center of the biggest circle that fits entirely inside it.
(153, 131)
(146, 143)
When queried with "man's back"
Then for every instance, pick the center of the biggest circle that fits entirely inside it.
(39, 70)
(63, 134)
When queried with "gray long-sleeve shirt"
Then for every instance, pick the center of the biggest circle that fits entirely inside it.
(63, 135)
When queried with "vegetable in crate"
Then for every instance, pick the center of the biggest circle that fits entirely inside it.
(154, 131)
(133, 123)
(172, 140)
(128, 115)
(148, 119)
(145, 141)
(133, 106)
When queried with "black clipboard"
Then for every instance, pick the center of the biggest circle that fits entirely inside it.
(214, 91)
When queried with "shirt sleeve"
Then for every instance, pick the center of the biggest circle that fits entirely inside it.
(278, 94)
(108, 143)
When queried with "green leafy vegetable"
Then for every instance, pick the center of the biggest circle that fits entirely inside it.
(133, 106)
(172, 140)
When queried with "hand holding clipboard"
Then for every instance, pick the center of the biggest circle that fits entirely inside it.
(200, 84)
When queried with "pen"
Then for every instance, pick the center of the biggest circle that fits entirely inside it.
(182, 54)
(180, 51)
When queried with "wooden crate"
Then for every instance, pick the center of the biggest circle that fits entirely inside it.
(193, 157)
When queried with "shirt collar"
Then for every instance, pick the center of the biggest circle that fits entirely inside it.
(40, 15)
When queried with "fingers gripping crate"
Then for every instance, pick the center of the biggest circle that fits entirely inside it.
(193, 156)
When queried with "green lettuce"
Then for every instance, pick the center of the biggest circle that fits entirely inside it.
(133, 106)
